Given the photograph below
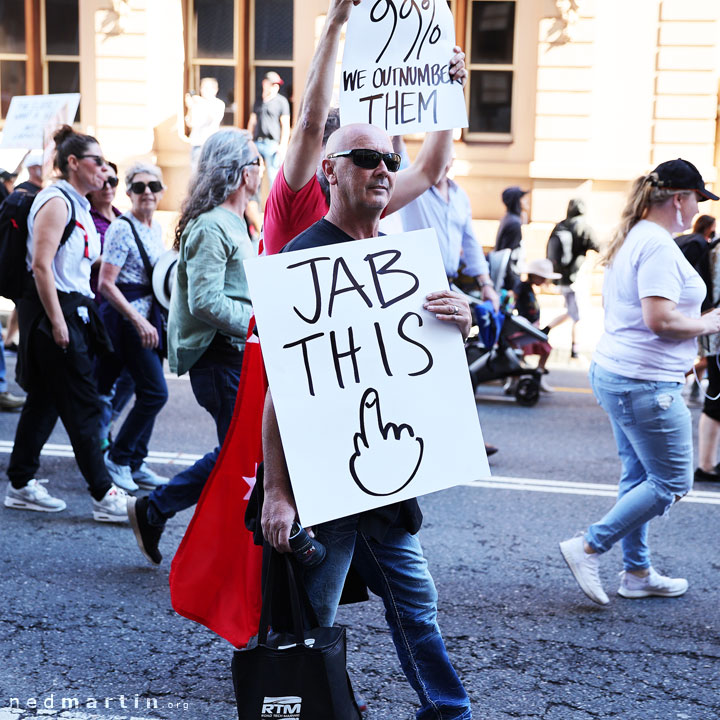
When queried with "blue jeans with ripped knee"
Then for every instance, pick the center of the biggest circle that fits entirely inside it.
(653, 432)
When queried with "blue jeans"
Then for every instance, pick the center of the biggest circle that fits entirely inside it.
(269, 151)
(114, 402)
(145, 367)
(397, 572)
(3, 378)
(653, 432)
(215, 388)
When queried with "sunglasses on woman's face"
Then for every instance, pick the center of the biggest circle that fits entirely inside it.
(99, 159)
(112, 181)
(370, 159)
(257, 161)
(139, 187)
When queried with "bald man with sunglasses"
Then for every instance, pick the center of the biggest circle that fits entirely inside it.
(299, 196)
(360, 167)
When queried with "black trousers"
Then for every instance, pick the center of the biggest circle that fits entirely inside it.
(62, 384)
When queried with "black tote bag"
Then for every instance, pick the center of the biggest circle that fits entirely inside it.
(298, 675)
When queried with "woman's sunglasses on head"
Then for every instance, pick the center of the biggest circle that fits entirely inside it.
(139, 187)
(370, 159)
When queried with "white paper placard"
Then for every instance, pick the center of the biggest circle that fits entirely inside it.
(29, 115)
(395, 67)
(372, 392)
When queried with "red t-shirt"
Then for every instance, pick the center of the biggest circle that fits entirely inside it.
(289, 213)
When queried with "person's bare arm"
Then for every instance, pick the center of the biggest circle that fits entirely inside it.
(50, 223)
(662, 317)
(279, 511)
(107, 286)
(284, 136)
(434, 156)
(305, 146)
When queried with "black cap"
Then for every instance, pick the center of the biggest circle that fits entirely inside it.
(682, 175)
(511, 195)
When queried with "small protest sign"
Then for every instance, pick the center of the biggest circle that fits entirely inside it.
(395, 69)
(29, 116)
(372, 392)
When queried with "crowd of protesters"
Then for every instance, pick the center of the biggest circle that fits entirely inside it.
(93, 334)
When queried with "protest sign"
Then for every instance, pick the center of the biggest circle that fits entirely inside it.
(395, 67)
(372, 392)
(29, 117)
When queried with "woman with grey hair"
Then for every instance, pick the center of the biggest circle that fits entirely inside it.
(135, 323)
(209, 311)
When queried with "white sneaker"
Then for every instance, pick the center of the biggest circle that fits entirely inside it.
(33, 497)
(545, 386)
(121, 475)
(148, 479)
(632, 586)
(113, 506)
(585, 569)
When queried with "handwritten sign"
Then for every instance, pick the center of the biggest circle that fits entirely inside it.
(29, 116)
(395, 69)
(372, 392)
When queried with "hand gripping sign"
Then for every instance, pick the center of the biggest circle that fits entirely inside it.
(372, 392)
(395, 67)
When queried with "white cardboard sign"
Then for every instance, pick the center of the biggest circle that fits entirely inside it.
(395, 67)
(29, 116)
(372, 392)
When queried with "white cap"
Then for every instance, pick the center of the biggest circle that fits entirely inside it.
(33, 159)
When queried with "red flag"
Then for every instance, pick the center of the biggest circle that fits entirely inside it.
(216, 573)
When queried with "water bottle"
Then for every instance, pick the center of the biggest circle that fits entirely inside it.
(307, 551)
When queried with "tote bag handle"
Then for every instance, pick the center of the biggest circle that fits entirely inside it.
(299, 600)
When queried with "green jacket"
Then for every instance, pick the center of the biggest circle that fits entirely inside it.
(211, 293)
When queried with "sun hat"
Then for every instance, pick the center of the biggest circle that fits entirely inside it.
(163, 277)
(542, 267)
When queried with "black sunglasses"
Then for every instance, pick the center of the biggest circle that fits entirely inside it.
(256, 161)
(139, 187)
(112, 181)
(99, 159)
(370, 159)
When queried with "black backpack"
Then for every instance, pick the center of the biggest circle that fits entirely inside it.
(13, 240)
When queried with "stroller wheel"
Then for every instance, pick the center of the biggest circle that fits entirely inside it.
(527, 392)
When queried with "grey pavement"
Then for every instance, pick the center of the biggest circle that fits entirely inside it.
(85, 616)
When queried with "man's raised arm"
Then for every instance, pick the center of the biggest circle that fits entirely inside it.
(305, 147)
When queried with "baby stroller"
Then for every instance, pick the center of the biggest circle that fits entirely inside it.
(493, 349)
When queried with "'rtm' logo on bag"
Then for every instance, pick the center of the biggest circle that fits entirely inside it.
(287, 708)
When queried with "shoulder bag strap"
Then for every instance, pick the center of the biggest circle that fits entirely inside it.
(71, 223)
(141, 248)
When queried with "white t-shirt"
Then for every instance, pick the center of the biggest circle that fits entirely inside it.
(70, 266)
(649, 264)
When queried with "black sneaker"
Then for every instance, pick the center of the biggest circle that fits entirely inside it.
(702, 476)
(147, 536)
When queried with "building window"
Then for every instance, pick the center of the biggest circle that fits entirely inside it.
(61, 43)
(491, 40)
(272, 44)
(58, 45)
(213, 50)
(13, 52)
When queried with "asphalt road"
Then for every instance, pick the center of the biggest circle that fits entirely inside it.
(85, 616)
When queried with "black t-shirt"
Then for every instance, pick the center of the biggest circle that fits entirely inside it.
(405, 514)
(268, 117)
(526, 302)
